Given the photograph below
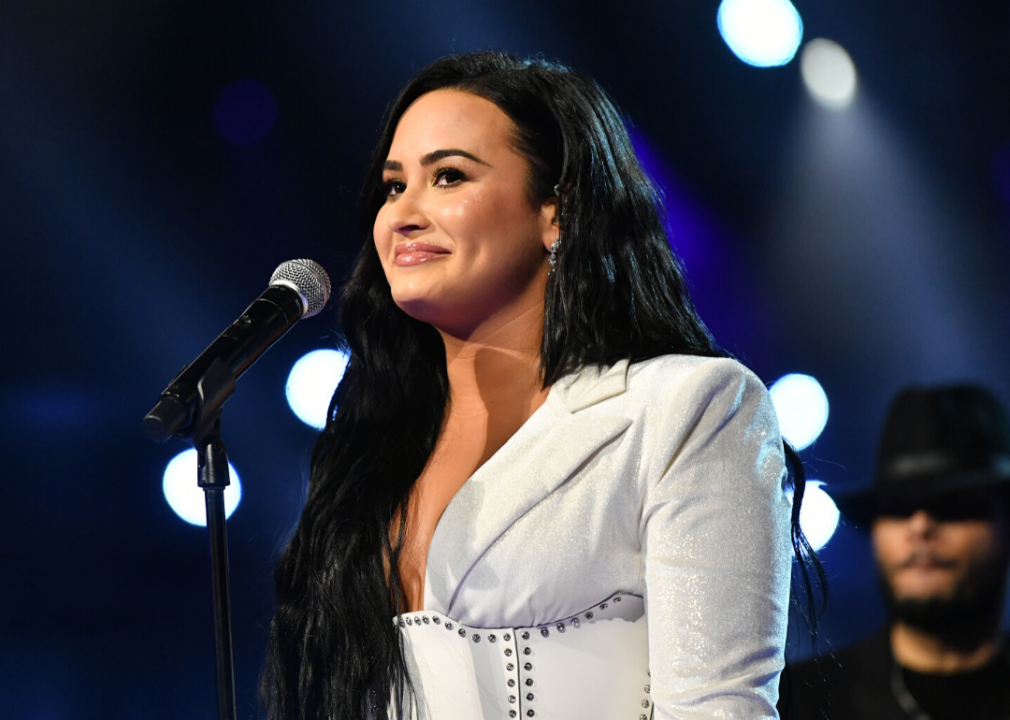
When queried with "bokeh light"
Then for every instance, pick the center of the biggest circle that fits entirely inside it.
(802, 408)
(311, 384)
(187, 498)
(829, 73)
(818, 515)
(763, 33)
(245, 112)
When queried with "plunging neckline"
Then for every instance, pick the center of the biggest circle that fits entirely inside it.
(468, 483)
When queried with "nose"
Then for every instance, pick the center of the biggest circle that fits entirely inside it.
(922, 523)
(406, 215)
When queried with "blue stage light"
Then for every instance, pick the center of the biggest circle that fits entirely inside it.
(802, 408)
(311, 384)
(818, 515)
(186, 498)
(763, 33)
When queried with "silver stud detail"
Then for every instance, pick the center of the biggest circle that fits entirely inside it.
(526, 651)
(530, 713)
(526, 636)
(646, 703)
(508, 652)
(510, 667)
(448, 625)
(529, 682)
(512, 713)
(410, 621)
(545, 632)
(462, 633)
(492, 638)
(476, 637)
(528, 666)
(575, 622)
(561, 627)
(512, 698)
(643, 716)
(617, 598)
(603, 606)
(589, 615)
(529, 696)
(436, 620)
(648, 688)
(507, 637)
(512, 683)
(403, 624)
(425, 619)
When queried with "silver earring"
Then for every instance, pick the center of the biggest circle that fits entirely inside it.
(552, 260)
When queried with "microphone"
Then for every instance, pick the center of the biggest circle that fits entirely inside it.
(298, 288)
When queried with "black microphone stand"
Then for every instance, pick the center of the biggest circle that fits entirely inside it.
(214, 388)
(298, 288)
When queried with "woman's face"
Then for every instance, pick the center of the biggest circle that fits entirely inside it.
(461, 244)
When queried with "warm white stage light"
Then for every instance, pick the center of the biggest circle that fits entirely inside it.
(763, 33)
(802, 408)
(186, 498)
(818, 515)
(311, 383)
(829, 73)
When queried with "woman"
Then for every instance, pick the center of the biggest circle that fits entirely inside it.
(534, 426)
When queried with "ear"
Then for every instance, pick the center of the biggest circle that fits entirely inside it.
(549, 227)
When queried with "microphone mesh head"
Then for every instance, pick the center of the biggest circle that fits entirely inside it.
(310, 279)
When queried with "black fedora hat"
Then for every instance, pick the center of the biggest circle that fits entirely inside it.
(936, 440)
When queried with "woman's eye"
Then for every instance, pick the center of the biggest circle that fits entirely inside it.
(392, 188)
(447, 177)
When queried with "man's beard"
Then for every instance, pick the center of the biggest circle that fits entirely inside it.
(976, 603)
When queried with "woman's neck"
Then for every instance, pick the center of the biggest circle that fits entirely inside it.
(494, 373)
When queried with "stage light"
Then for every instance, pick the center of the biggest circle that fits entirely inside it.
(829, 73)
(245, 112)
(186, 498)
(818, 515)
(802, 408)
(311, 384)
(763, 33)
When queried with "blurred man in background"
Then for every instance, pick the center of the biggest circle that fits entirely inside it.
(939, 517)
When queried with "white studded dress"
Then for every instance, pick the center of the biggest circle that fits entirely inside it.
(624, 555)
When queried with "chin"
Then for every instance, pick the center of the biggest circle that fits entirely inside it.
(416, 305)
(945, 607)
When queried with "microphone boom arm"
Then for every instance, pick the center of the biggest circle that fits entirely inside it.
(264, 322)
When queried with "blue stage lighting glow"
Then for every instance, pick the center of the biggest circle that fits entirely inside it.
(186, 498)
(763, 33)
(818, 515)
(311, 384)
(802, 408)
(245, 112)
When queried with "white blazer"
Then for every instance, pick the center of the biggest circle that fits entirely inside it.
(663, 480)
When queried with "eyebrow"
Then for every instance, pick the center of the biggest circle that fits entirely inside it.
(434, 157)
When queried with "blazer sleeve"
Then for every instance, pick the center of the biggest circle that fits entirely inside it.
(716, 549)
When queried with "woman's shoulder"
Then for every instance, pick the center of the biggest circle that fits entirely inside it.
(659, 384)
(678, 374)
(699, 394)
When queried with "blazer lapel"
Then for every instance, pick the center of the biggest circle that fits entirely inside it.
(543, 454)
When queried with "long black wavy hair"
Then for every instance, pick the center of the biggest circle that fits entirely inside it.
(617, 293)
